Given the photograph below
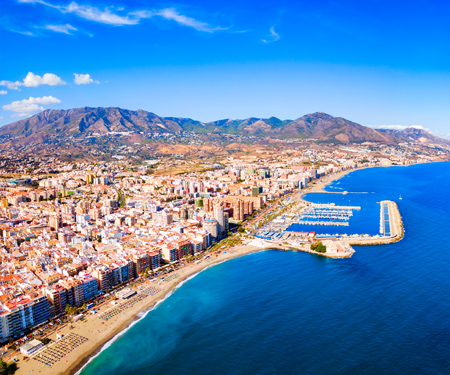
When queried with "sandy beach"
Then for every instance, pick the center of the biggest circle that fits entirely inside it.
(98, 332)
(319, 185)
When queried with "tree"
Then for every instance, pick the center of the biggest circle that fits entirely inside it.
(70, 310)
(319, 247)
(7, 368)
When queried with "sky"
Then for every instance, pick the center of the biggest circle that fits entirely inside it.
(374, 62)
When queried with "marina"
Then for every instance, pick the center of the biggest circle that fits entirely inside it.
(277, 233)
(308, 214)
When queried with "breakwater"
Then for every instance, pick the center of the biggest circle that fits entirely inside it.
(391, 223)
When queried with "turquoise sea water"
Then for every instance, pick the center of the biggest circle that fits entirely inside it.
(386, 310)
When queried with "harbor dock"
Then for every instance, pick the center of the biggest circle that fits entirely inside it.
(275, 235)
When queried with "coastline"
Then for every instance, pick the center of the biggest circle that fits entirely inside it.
(319, 187)
(90, 354)
(100, 339)
(101, 333)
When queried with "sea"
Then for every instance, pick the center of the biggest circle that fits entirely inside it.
(385, 310)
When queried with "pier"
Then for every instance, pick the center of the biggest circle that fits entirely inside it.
(317, 214)
(391, 227)
(333, 206)
(325, 214)
(331, 223)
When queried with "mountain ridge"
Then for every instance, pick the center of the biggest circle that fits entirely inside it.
(87, 121)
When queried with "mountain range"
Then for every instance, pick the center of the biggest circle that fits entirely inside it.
(80, 123)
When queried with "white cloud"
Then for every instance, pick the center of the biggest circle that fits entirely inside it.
(33, 80)
(11, 85)
(89, 13)
(64, 29)
(273, 37)
(94, 14)
(83, 79)
(107, 16)
(31, 105)
(399, 127)
(173, 15)
(27, 33)
(3, 92)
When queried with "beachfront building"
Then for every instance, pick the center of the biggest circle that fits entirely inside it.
(57, 295)
(90, 286)
(126, 271)
(183, 247)
(155, 260)
(105, 277)
(141, 262)
(169, 253)
(212, 226)
(219, 216)
(74, 288)
(30, 347)
(22, 314)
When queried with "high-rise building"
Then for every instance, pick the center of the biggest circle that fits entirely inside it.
(104, 276)
(54, 221)
(57, 295)
(256, 190)
(4, 203)
(23, 313)
(219, 216)
(141, 262)
(183, 213)
(212, 227)
(90, 178)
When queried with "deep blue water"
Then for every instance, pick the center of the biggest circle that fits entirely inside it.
(386, 310)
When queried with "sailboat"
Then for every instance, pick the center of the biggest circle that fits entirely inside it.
(400, 197)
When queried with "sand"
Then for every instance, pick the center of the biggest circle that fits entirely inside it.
(320, 185)
(99, 333)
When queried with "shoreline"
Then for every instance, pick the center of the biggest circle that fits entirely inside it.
(155, 302)
(319, 187)
(97, 342)
(101, 333)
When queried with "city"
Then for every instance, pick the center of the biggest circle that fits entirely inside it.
(89, 230)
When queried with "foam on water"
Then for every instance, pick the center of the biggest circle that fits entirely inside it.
(141, 315)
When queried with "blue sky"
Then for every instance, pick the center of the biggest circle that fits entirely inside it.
(373, 62)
